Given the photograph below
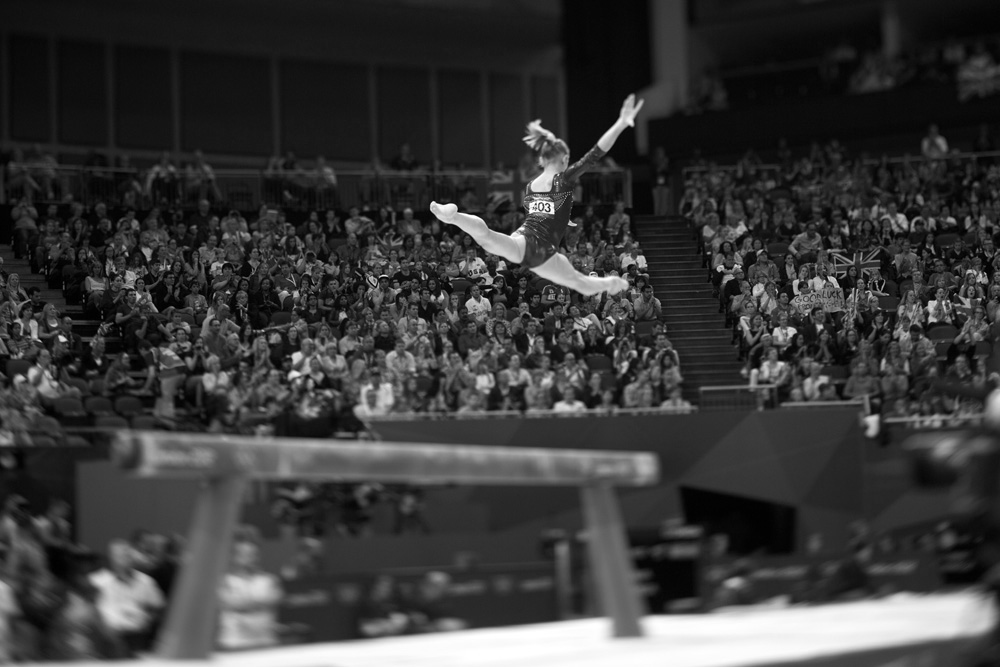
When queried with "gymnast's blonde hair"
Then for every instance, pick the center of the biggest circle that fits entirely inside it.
(548, 146)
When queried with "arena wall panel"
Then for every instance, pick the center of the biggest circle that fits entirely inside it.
(404, 111)
(226, 104)
(545, 98)
(29, 76)
(83, 94)
(325, 109)
(460, 101)
(143, 98)
(507, 117)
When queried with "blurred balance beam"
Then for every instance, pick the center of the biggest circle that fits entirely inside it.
(225, 463)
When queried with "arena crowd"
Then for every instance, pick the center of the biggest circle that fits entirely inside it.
(847, 277)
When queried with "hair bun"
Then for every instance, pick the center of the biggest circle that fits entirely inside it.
(538, 137)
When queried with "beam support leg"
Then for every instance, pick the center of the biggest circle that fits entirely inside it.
(190, 628)
(610, 562)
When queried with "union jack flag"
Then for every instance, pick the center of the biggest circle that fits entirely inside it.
(866, 262)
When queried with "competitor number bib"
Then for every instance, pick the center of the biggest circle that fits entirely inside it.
(542, 207)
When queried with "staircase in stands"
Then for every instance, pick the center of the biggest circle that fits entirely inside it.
(83, 327)
(694, 324)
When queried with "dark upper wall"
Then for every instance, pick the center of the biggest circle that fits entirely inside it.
(736, 33)
(244, 77)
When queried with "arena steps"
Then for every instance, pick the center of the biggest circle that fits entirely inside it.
(82, 326)
(694, 324)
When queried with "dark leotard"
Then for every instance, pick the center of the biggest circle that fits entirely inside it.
(548, 212)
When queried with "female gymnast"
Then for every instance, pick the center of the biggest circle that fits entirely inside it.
(547, 201)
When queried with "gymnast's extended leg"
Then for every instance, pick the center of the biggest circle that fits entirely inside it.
(560, 270)
(510, 248)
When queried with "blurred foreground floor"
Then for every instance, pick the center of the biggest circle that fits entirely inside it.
(901, 631)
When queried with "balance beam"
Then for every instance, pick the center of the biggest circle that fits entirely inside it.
(225, 463)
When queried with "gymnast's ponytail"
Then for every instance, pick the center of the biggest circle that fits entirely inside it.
(544, 142)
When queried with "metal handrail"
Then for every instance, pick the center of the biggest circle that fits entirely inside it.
(248, 188)
(516, 414)
(900, 159)
(946, 418)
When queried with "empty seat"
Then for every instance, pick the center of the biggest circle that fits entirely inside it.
(111, 423)
(888, 303)
(144, 422)
(598, 362)
(17, 367)
(280, 318)
(80, 384)
(942, 332)
(99, 405)
(68, 407)
(645, 328)
(835, 372)
(127, 406)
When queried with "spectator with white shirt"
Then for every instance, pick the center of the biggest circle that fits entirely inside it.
(632, 256)
(479, 307)
(934, 146)
(128, 600)
(569, 403)
(248, 601)
(472, 267)
(823, 279)
(899, 222)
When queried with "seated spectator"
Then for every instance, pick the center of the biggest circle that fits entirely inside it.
(647, 307)
(129, 600)
(248, 600)
(49, 381)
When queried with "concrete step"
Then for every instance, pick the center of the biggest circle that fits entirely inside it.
(668, 235)
(687, 312)
(656, 246)
(681, 262)
(684, 267)
(690, 322)
(719, 378)
(704, 334)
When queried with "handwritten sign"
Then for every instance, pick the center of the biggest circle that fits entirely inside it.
(831, 300)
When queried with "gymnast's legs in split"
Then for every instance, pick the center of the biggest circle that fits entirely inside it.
(556, 268)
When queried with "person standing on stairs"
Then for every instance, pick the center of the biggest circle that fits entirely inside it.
(548, 202)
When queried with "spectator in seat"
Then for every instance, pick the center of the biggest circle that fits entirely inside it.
(862, 383)
(806, 245)
(676, 403)
(934, 146)
(633, 257)
(647, 308)
(824, 280)
(48, 380)
(941, 310)
(161, 181)
(763, 266)
(569, 403)
(478, 306)
(918, 349)
(128, 600)
(199, 179)
(248, 600)
(816, 325)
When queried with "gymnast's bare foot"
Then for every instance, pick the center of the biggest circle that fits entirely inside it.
(444, 212)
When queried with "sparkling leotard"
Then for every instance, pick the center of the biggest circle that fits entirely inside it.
(548, 212)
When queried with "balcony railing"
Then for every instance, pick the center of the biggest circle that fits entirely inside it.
(248, 189)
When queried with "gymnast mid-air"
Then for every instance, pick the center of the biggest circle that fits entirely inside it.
(548, 200)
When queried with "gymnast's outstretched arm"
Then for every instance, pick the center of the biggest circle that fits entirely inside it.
(626, 118)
